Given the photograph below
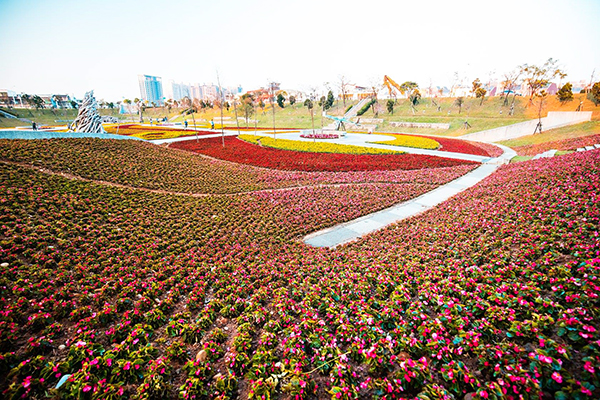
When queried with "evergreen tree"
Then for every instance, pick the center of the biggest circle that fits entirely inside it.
(565, 93)
(330, 100)
(280, 100)
(594, 94)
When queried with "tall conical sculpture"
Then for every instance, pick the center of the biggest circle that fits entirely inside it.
(88, 120)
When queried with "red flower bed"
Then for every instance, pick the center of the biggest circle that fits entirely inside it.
(565, 144)
(463, 146)
(133, 129)
(245, 153)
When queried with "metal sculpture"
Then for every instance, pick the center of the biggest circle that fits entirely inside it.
(339, 121)
(88, 120)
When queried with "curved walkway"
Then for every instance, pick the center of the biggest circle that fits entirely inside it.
(353, 230)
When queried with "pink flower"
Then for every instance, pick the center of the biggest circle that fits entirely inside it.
(127, 366)
(556, 376)
(87, 388)
(588, 367)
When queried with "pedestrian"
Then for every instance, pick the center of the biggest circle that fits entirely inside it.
(33, 126)
(150, 121)
(185, 123)
(212, 124)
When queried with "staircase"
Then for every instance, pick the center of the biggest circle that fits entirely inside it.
(354, 110)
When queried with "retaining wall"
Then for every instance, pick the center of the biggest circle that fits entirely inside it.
(555, 119)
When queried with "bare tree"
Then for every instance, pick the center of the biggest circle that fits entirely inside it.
(538, 77)
(344, 86)
(509, 84)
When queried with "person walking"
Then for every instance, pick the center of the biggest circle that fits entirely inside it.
(185, 123)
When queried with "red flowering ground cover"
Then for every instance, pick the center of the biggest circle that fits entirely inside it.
(111, 293)
(153, 132)
(238, 151)
(565, 144)
(144, 165)
(462, 146)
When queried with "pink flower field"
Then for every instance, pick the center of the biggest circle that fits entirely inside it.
(129, 270)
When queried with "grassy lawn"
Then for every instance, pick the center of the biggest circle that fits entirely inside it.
(566, 132)
(481, 116)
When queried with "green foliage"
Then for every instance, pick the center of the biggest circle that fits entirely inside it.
(321, 102)
(565, 93)
(308, 104)
(281, 100)
(390, 106)
(478, 90)
(330, 100)
(408, 87)
(414, 97)
(292, 100)
(594, 94)
(365, 108)
(459, 102)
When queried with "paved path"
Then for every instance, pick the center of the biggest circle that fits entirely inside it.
(352, 230)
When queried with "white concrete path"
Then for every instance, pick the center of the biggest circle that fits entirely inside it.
(352, 230)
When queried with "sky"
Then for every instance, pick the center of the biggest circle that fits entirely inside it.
(72, 46)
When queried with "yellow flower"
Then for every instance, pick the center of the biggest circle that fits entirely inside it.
(314, 147)
(411, 141)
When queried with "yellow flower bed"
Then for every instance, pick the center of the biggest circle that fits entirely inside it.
(314, 147)
(411, 141)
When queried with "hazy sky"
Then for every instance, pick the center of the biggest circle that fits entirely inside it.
(65, 46)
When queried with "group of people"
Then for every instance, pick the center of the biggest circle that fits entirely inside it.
(164, 119)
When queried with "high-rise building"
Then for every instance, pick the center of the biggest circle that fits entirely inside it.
(151, 89)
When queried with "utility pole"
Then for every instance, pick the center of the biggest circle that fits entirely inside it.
(237, 122)
(221, 102)
(273, 107)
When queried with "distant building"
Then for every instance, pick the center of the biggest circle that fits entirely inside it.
(210, 92)
(151, 89)
(8, 98)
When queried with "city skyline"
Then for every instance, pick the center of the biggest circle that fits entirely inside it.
(105, 45)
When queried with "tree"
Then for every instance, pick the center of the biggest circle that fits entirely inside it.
(292, 100)
(390, 106)
(321, 102)
(407, 88)
(329, 101)
(594, 94)
(280, 100)
(26, 98)
(38, 102)
(478, 90)
(565, 93)
(262, 106)
(509, 84)
(308, 103)
(538, 77)
(247, 106)
(414, 98)
(459, 102)
(344, 86)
